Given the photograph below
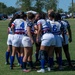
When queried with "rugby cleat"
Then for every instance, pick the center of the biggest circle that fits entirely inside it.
(41, 70)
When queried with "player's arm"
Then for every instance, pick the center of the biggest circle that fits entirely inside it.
(69, 33)
(38, 32)
(62, 31)
(13, 27)
(30, 34)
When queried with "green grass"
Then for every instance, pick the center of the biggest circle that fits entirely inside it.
(5, 69)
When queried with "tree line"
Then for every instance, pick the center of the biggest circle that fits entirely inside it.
(36, 5)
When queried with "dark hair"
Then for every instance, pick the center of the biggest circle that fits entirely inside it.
(15, 16)
(42, 15)
(52, 14)
(57, 17)
(30, 16)
(23, 15)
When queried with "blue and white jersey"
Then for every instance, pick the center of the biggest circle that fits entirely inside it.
(66, 25)
(31, 25)
(19, 26)
(55, 27)
(45, 25)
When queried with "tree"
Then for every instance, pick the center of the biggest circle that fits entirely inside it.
(25, 5)
(71, 9)
(60, 10)
(10, 10)
(2, 7)
(37, 5)
(51, 4)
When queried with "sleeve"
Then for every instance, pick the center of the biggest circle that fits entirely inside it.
(13, 24)
(29, 24)
(38, 22)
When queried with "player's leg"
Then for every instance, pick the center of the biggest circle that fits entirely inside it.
(42, 55)
(37, 52)
(58, 51)
(67, 54)
(7, 54)
(25, 58)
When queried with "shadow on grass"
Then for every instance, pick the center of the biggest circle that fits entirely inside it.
(65, 66)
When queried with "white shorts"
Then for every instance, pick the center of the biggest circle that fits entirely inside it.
(26, 41)
(17, 41)
(58, 40)
(48, 40)
(9, 39)
(66, 40)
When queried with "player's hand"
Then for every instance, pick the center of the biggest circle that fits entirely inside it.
(70, 39)
(37, 40)
(32, 41)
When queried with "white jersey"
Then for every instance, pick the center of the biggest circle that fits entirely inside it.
(55, 27)
(19, 31)
(66, 25)
(45, 25)
(19, 25)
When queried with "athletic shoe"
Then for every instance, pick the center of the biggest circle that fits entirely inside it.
(7, 63)
(11, 68)
(41, 70)
(26, 70)
(49, 69)
(60, 68)
(18, 64)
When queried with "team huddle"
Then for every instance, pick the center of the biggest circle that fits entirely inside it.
(49, 33)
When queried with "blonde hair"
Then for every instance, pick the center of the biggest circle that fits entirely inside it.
(50, 10)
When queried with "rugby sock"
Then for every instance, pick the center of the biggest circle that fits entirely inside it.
(31, 64)
(21, 60)
(59, 60)
(50, 62)
(36, 56)
(18, 58)
(7, 56)
(42, 63)
(24, 65)
(11, 61)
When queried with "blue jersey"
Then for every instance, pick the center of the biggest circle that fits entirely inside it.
(31, 25)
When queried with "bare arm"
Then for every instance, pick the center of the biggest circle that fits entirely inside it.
(29, 34)
(70, 34)
(38, 32)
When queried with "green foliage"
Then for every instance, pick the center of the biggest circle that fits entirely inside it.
(37, 5)
(71, 9)
(51, 4)
(2, 7)
(60, 10)
(7, 10)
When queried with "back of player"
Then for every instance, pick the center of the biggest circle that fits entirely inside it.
(47, 41)
(18, 31)
(68, 38)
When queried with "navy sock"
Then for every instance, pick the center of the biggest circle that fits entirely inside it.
(18, 58)
(31, 64)
(50, 62)
(42, 63)
(11, 61)
(7, 56)
(24, 65)
(59, 60)
(36, 56)
(21, 60)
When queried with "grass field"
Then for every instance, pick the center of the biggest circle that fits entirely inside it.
(5, 69)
